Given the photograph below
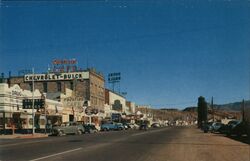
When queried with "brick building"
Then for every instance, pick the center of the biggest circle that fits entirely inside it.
(87, 84)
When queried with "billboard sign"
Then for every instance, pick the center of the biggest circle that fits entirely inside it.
(55, 77)
(64, 65)
(114, 77)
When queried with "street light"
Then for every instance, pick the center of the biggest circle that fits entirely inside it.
(46, 122)
(33, 117)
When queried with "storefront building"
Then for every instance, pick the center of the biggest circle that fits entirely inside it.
(16, 110)
(87, 88)
(12, 113)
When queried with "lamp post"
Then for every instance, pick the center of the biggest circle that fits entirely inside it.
(33, 117)
(46, 122)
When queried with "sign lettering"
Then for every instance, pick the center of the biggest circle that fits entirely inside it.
(54, 77)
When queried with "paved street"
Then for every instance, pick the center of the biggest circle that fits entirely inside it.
(162, 144)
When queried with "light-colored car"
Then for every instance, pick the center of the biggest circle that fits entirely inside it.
(155, 125)
(68, 128)
(134, 126)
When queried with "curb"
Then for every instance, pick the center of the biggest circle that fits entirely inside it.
(22, 136)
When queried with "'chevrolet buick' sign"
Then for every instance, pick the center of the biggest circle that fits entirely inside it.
(56, 76)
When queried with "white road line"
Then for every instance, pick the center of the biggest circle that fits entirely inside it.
(56, 154)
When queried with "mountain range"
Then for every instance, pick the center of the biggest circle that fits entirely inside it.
(236, 106)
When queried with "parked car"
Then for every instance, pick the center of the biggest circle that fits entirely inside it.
(68, 128)
(216, 126)
(225, 129)
(90, 128)
(238, 129)
(119, 126)
(134, 126)
(207, 126)
(108, 126)
(126, 126)
(155, 125)
(143, 126)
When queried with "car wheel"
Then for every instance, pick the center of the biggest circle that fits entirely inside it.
(60, 133)
(79, 132)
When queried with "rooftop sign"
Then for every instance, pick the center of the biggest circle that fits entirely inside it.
(64, 65)
(56, 76)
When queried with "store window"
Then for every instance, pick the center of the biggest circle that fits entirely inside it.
(45, 87)
(31, 87)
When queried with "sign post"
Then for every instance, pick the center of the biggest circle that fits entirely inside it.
(114, 78)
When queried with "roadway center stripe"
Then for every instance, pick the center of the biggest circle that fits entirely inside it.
(56, 154)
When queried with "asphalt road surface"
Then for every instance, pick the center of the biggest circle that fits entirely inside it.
(161, 144)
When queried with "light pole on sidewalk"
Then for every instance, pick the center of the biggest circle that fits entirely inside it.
(33, 117)
(46, 122)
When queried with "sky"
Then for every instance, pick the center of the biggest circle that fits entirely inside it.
(168, 52)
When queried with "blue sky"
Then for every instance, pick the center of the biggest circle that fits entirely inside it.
(168, 52)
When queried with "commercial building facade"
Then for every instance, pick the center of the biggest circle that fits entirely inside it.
(87, 84)
(87, 88)
(15, 115)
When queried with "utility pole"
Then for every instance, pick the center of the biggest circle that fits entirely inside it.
(212, 106)
(33, 117)
(243, 110)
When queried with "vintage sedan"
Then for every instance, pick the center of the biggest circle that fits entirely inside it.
(90, 128)
(68, 128)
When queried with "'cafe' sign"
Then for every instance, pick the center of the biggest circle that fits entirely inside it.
(54, 77)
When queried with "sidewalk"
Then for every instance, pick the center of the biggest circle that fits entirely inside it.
(23, 136)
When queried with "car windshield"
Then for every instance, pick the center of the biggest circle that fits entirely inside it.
(233, 122)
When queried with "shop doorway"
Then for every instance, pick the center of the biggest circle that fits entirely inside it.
(71, 117)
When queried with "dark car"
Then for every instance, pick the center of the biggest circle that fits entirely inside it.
(239, 129)
(216, 126)
(126, 126)
(207, 126)
(90, 128)
(226, 129)
(143, 126)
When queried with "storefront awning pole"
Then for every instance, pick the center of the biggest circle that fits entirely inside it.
(45, 130)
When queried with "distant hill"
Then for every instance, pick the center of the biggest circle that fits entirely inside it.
(169, 109)
(190, 109)
(236, 106)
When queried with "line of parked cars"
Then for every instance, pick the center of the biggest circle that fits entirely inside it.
(79, 128)
(234, 127)
(118, 126)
